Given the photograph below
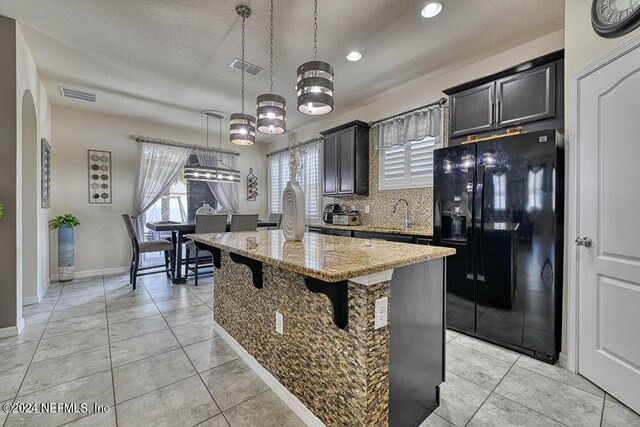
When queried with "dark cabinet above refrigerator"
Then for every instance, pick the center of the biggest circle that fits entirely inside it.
(346, 160)
(529, 95)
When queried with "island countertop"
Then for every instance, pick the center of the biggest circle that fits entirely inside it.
(324, 257)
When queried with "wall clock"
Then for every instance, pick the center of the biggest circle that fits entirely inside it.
(614, 18)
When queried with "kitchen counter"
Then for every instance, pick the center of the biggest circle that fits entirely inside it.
(324, 257)
(413, 231)
(349, 330)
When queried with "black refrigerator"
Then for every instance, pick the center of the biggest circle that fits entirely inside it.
(499, 203)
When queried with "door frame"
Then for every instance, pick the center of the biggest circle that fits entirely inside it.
(572, 219)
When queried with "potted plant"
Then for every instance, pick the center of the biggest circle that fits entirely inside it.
(65, 225)
(293, 222)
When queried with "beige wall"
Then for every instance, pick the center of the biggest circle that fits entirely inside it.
(19, 81)
(583, 46)
(34, 223)
(101, 242)
(8, 120)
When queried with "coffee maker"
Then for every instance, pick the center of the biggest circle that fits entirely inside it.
(329, 210)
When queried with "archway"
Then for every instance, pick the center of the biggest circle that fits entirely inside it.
(29, 201)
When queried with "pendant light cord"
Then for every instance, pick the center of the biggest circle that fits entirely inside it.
(243, 63)
(208, 132)
(271, 50)
(315, 29)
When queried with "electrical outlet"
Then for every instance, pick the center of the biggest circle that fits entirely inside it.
(366, 208)
(382, 305)
(279, 323)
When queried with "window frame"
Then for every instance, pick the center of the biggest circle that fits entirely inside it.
(284, 169)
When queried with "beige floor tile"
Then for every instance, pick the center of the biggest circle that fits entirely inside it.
(143, 376)
(185, 403)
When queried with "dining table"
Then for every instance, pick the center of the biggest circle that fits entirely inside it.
(178, 230)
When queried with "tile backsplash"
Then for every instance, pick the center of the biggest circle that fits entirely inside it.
(382, 201)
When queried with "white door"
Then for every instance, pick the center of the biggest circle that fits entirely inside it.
(609, 214)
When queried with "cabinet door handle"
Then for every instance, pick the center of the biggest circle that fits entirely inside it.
(498, 111)
(339, 187)
(493, 113)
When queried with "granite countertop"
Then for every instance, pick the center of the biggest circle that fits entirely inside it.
(321, 256)
(413, 231)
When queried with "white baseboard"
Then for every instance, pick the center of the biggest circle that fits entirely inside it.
(562, 360)
(287, 397)
(94, 273)
(12, 331)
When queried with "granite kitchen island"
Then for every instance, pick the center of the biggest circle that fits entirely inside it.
(340, 358)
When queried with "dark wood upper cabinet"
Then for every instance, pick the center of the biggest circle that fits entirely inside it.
(527, 96)
(346, 159)
(330, 159)
(530, 94)
(472, 110)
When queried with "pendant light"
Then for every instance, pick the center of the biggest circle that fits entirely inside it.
(271, 108)
(242, 129)
(315, 80)
(219, 173)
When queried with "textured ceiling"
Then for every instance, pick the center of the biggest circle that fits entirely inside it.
(166, 60)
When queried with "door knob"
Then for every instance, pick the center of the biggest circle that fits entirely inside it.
(584, 241)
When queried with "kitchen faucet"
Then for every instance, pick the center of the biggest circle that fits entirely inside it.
(407, 222)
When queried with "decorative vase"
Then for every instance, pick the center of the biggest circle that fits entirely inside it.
(66, 253)
(205, 209)
(293, 212)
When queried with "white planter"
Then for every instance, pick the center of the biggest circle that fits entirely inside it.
(293, 212)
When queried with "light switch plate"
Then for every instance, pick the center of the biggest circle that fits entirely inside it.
(279, 323)
(381, 320)
(367, 208)
(106, 208)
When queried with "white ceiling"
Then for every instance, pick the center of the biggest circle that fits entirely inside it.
(166, 60)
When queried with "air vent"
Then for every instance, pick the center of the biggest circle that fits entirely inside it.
(77, 94)
(249, 68)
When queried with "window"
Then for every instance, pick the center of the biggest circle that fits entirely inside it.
(535, 190)
(407, 166)
(309, 181)
(500, 192)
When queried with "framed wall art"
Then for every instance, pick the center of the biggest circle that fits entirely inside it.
(100, 175)
(252, 186)
(45, 173)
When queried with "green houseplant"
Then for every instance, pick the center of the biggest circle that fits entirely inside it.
(65, 225)
(1, 209)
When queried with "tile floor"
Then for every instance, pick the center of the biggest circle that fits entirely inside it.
(151, 356)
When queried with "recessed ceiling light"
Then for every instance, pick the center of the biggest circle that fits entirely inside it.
(354, 56)
(431, 9)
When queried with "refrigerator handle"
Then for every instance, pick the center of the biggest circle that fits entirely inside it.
(471, 183)
(480, 206)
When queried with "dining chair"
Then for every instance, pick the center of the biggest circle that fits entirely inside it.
(241, 222)
(223, 212)
(204, 224)
(277, 218)
(140, 248)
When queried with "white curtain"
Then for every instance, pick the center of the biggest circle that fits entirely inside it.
(226, 194)
(414, 126)
(159, 167)
(310, 181)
